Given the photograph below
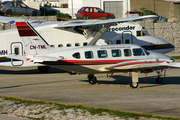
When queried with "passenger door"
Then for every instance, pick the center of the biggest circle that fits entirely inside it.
(127, 37)
(17, 49)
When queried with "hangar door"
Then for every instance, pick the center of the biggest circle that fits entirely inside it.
(115, 7)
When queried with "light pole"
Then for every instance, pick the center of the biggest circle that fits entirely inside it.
(72, 7)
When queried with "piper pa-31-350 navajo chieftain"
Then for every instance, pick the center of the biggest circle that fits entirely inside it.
(92, 59)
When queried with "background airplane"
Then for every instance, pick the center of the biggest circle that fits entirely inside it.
(93, 59)
(119, 33)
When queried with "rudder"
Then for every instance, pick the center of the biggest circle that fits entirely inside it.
(33, 42)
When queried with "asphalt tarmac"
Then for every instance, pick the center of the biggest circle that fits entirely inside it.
(111, 93)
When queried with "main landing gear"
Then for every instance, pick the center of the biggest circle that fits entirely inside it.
(159, 79)
(92, 79)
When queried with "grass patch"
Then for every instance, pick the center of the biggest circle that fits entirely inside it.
(92, 111)
(175, 57)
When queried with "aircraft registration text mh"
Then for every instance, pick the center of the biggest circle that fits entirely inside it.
(38, 47)
(3, 52)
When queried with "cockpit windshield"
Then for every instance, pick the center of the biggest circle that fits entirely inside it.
(143, 33)
(140, 52)
(147, 53)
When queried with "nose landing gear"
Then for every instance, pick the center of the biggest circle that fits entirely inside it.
(134, 83)
(159, 79)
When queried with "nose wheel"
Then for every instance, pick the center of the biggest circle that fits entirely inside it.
(133, 84)
(92, 79)
(159, 79)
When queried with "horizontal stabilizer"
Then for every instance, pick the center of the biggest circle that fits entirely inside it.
(18, 57)
(41, 59)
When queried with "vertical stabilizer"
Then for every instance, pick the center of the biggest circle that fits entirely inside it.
(34, 44)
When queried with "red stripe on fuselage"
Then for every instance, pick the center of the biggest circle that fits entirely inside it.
(86, 62)
(24, 29)
(2, 57)
(135, 62)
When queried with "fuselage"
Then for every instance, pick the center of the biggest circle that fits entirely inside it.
(95, 59)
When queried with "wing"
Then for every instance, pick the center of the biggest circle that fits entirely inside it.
(87, 23)
(142, 65)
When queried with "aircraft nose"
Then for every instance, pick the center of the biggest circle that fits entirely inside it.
(160, 56)
(164, 46)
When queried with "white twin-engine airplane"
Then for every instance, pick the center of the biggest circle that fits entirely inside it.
(92, 59)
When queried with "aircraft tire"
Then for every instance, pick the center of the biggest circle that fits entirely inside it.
(159, 80)
(92, 79)
(43, 69)
(133, 84)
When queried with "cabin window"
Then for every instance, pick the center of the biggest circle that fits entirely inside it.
(52, 45)
(116, 53)
(68, 45)
(127, 41)
(109, 42)
(89, 54)
(60, 45)
(127, 52)
(77, 44)
(139, 33)
(118, 41)
(138, 52)
(102, 53)
(16, 51)
(85, 44)
(76, 55)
